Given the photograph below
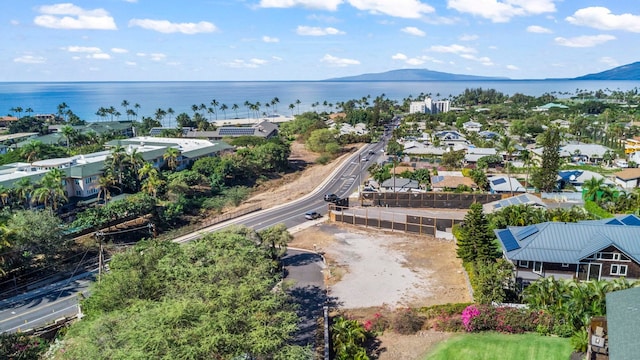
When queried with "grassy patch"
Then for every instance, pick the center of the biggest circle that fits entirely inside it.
(496, 346)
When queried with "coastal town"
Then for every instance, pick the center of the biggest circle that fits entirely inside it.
(524, 200)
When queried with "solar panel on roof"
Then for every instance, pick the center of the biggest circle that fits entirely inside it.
(526, 232)
(498, 181)
(506, 237)
(236, 131)
(631, 220)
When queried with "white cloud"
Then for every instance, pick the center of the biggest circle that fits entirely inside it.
(167, 27)
(99, 56)
(454, 49)
(335, 61)
(419, 60)
(512, 67)
(70, 16)
(30, 59)
(411, 30)
(584, 41)
(14, 22)
(317, 31)
(131, 1)
(119, 51)
(157, 56)
(466, 37)
(502, 11)
(269, 39)
(251, 63)
(83, 49)
(601, 18)
(410, 9)
(483, 59)
(130, 63)
(609, 61)
(331, 5)
(76, 58)
(538, 29)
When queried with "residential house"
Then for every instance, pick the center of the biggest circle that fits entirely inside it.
(486, 134)
(577, 178)
(6, 121)
(587, 250)
(623, 317)
(522, 199)
(444, 183)
(501, 184)
(472, 126)
(474, 153)
(591, 153)
(264, 129)
(561, 123)
(398, 184)
(549, 106)
(628, 178)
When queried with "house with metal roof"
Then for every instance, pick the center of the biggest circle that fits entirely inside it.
(628, 178)
(398, 184)
(586, 250)
(500, 184)
(623, 317)
(264, 129)
(522, 199)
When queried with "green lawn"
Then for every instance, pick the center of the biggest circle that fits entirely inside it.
(496, 346)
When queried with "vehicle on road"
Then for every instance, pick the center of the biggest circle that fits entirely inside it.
(331, 197)
(312, 215)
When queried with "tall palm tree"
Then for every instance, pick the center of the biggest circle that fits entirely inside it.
(215, 104)
(235, 108)
(51, 191)
(171, 156)
(137, 107)
(28, 111)
(151, 184)
(595, 188)
(106, 182)
(5, 195)
(224, 108)
(507, 145)
(62, 107)
(31, 151)
(274, 102)
(298, 102)
(68, 132)
(116, 162)
(22, 190)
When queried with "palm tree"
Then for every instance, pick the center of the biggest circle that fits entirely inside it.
(235, 108)
(298, 105)
(509, 147)
(151, 184)
(137, 107)
(171, 156)
(224, 108)
(31, 151)
(50, 190)
(5, 195)
(116, 161)
(125, 104)
(291, 107)
(528, 161)
(106, 182)
(595, 188)
(159, 115)
(68, 132)
(28, 111)
(274, 102)
(147, 170)
(215, 104)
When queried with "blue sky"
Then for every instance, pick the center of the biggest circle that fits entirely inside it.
(220, 40)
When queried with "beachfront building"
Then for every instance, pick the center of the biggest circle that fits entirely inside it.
(82, 172)
(428, 106)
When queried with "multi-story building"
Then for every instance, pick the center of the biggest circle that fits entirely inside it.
(428, 106)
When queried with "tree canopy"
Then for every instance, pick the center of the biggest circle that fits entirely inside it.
(209, 299)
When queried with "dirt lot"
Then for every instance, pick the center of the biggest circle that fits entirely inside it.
(370, 269)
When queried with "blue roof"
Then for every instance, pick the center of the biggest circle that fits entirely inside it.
(569, 243)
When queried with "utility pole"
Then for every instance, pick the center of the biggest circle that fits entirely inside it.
(100, 236)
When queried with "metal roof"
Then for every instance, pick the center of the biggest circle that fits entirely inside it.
(623, 317)
(569, 243)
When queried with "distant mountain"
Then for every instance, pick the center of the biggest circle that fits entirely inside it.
(414, 75)
(624, 72)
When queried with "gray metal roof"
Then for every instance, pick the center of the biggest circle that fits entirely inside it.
(569, 243)
(623, 317)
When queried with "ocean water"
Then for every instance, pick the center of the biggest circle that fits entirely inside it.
(85, 98)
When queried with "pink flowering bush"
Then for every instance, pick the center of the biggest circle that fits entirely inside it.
(468, 314)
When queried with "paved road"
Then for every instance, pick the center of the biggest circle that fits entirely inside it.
(58, 300)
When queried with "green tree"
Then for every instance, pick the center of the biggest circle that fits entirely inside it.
(476, 241)
(50, 191)
(348, 337)
(322, 140)
(171, 156)
(69, 133)
(544, 178)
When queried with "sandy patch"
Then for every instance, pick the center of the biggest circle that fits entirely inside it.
(376, 273)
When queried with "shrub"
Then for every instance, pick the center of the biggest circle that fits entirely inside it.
(377, 325)
(434, 311)
(323, 159)
(580, 340)
(407, 322)
(563, 329)
(448, 323)
(468, 314)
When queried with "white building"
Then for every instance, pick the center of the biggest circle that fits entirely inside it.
(428, 106)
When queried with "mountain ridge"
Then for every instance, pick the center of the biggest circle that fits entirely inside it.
(623, 72)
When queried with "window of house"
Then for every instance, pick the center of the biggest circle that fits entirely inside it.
(565, 265)
(619, 270)
(537, 267)
(78, 192)
(523, 263)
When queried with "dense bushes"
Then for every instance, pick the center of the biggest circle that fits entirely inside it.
(135, 205)
(505, 319)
